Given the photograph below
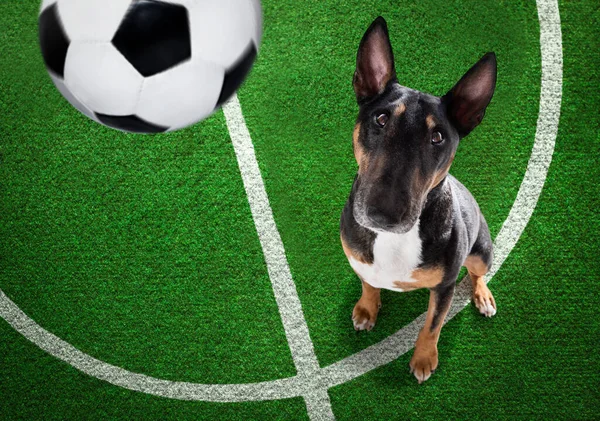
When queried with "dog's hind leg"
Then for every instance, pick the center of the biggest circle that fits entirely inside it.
(478, 263)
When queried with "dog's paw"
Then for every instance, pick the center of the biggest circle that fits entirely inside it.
(364, 315)
(484, 300)
(424, 362)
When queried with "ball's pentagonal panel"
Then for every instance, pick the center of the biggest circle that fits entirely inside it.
(102, 78)
(181, 96)
(221, 29)
(92, 20)
(54, 42)
(60, 85)
(130, 123)
(154, 36)
(235, 75)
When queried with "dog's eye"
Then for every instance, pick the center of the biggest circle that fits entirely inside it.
(381, 119)
(437, 138)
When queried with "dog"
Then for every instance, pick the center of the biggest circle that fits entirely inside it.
(408, 223)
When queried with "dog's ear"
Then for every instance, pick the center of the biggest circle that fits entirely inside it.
(374, 61)
(469, 98)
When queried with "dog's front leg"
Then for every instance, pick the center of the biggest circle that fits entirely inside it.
(425, 358)
(366, 309)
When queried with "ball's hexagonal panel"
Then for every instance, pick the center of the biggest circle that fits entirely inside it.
(60, 85)
(221, 30)
(92, 20)
(102, 79)
(54, 42)
(46, 3)
(130, 123)
(182, 95)
(235, 75)
(258, 16)
(154, 36)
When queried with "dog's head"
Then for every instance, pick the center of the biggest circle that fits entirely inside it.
(405, 140)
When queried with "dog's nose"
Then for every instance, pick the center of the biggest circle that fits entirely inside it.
(382, 217)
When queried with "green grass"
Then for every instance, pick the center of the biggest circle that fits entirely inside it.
(141, 250)
(307, 160)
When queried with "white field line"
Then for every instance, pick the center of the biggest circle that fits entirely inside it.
(312, 387)
(290, 308)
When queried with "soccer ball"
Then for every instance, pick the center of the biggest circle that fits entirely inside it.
(149, 66)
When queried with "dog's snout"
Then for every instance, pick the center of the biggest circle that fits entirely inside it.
(382, 217)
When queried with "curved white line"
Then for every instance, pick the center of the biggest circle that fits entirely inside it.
(391, 347)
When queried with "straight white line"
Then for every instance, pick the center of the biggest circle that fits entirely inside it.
(290, 308)
(317, 401)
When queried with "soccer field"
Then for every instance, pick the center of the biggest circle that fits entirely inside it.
(150, 276)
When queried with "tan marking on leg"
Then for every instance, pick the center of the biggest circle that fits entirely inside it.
(476, 265)
(425, 358)
(482, 296)
(366, 309)
(425, 278)
(400, 110)
(430, 120)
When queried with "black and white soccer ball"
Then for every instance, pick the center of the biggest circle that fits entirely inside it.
(149, 66)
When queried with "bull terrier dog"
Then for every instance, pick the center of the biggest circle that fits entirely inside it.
(408, 223)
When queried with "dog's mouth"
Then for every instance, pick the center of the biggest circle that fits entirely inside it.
(376, 220)
(381, 228)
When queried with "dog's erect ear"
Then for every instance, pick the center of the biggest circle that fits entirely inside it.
(374, 62)
(469, 98)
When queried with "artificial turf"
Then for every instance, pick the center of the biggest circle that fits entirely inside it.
(141, 250)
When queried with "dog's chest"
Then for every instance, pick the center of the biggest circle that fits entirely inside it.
(395, 257)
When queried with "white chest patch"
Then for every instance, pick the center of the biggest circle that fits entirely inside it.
(395, 257)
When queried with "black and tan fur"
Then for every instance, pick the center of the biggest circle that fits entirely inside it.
(403, 186)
